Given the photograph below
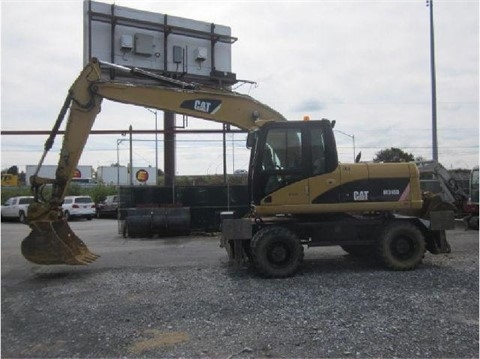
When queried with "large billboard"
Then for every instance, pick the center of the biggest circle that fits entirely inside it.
(182, 48)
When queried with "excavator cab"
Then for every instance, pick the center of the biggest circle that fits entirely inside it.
(286, 153)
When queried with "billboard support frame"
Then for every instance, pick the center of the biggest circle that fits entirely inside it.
(220, 78)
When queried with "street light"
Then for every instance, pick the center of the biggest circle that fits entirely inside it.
(353, 139)
(434, 86)
(156, 144)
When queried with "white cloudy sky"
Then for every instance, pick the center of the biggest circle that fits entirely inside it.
(365, 64)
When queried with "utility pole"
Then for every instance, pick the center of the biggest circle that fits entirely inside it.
(353, 139)
(434, 86)
(130, 130)
(156, 144)
(169, 148)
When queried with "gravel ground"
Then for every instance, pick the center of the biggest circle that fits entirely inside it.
(336, 307)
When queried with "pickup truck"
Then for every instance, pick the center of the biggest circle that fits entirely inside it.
(16, 208)
(108, 208)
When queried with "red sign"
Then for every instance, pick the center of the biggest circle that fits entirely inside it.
(141, 176)
(77, 174)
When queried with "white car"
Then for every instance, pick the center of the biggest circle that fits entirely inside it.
(16, 208)
(78, 207)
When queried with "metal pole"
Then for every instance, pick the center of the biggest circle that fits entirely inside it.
(118, 164)
(118, 177)
(233, 153)
(156, 143)
(156, 149)
(169, 145)
(131, 157)
(434, 86)
(353, 139)
(224, 154)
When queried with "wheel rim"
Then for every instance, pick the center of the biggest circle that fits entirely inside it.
(279, 254)
(402, 247)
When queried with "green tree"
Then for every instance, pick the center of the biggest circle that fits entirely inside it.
(393, 154)
(13, 170)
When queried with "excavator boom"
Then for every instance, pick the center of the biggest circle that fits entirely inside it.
(51, 240)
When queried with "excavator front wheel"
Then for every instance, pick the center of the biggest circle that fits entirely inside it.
(276, 252)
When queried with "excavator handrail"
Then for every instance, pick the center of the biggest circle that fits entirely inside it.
(135, 71)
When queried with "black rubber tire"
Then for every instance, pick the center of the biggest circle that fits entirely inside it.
(276, 252)
(473, 222)
(22, 217)
(127, 233)
(400, 246)
(89, 218)
(66, 215)
(363, 251)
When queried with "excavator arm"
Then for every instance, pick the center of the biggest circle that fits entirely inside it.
(51, 240)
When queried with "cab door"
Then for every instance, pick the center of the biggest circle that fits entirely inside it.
(280, 165)
(289, 158)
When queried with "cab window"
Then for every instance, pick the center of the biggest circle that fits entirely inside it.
(318, 151)
(281, 160)
(283, 149)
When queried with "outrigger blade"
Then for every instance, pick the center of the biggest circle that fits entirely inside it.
(53, 242)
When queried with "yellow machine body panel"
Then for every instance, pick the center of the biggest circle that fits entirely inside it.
(10, 180)
(358, 187)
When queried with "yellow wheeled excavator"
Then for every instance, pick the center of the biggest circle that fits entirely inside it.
(300, 194)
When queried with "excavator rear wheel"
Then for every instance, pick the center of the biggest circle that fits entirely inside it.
(400, 246)
(276, 252)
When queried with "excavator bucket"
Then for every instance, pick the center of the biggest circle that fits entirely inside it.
(53, 242)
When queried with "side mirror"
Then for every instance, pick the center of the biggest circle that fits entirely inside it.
(359, 156)
(251, 139)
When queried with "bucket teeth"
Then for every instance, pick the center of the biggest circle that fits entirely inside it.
(53, 242)
(85, 258)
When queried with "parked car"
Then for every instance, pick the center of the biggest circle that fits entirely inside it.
(78, 207)
(16, 208)
(240, 172)
(108, 208)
